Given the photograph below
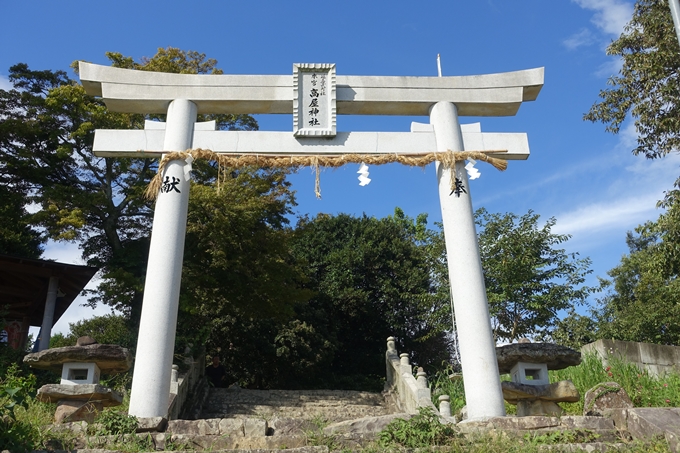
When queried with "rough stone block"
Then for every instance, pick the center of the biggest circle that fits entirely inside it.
(254, 427)
(53, 393)
(76, 410)
(184, 427)
(290, 426)
(557, 392)
(554, 356)
(583, 422)
(111, 359)
(607, 395)
(526, 408)
(209, 427)
(231, 427)
(364, 425)
(655, 421)
(151, 424)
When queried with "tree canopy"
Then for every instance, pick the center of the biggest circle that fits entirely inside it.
(46, 137)
(529, 280)
(647, 86)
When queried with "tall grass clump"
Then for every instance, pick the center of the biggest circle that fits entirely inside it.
(644, 389)
(447, 382)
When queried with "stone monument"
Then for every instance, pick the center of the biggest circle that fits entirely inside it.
(315, 94)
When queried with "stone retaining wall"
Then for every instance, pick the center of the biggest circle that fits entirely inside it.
(655, 358)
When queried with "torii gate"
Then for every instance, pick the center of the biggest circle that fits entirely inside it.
(183, 96)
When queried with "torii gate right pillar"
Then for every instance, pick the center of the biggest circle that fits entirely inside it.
(483, 392)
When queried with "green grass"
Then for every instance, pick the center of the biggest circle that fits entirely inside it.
(644, 389)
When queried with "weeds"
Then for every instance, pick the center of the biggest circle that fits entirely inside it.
(644, 389)
(422, 430)
(447, 382)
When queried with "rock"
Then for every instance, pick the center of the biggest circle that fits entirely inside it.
(463, 413)
(52, 393)
(151, 424)
(650, 422)
(254, 427)
(563, 391)
(555, 356)
(78, 428)
(285, 426)
(607, 395)
(364, 425)
(110, 358)
(231, 427)
(85, 341)
(76, 410)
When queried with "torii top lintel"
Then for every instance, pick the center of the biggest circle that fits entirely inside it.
(132, 91)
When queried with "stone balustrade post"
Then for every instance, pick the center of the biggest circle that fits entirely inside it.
(445, 406)
(421, 379)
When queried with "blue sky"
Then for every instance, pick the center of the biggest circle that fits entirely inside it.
(584, 177)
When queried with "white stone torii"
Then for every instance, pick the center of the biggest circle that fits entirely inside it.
(183, 96)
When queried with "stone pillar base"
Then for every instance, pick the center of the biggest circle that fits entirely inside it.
(538, 407)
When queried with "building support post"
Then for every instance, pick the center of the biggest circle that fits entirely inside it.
(48, 314)
(477, 347)
(158, 323)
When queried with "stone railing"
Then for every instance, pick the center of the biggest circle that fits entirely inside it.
(182, 385)
(409, 393)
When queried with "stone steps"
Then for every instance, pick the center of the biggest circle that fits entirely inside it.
(323, 405)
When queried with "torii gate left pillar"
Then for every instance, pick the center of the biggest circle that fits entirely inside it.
(443, 99)
(156, 342)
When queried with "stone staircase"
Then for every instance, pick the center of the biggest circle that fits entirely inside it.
(322, 406)
(275, 420)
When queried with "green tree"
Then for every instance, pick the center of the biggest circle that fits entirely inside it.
(372, 280)
(528, 279)
(643, 303)
(46, 136)
(240, 283)
(16, 235)
(106, 329)
(648, 84)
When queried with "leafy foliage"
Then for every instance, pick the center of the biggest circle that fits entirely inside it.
(46, 136)
(105, 329)
(648, 84)
(112, 422)
(421, 430)
(643, 303)
(528, 279)
(14, 390)
(371, 280)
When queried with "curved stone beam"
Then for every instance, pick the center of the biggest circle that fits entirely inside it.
(132, 91)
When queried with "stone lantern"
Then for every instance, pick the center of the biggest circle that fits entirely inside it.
(530, 389)
(79, 395)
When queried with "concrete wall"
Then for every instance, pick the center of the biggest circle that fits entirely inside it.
(656, 359)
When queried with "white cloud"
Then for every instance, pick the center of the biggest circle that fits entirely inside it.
(611, 16)
(623, 213)
(5, 83)
(628, 201)
(609, 68)
(583, 38)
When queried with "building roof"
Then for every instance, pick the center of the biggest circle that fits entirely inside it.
(24, 282)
